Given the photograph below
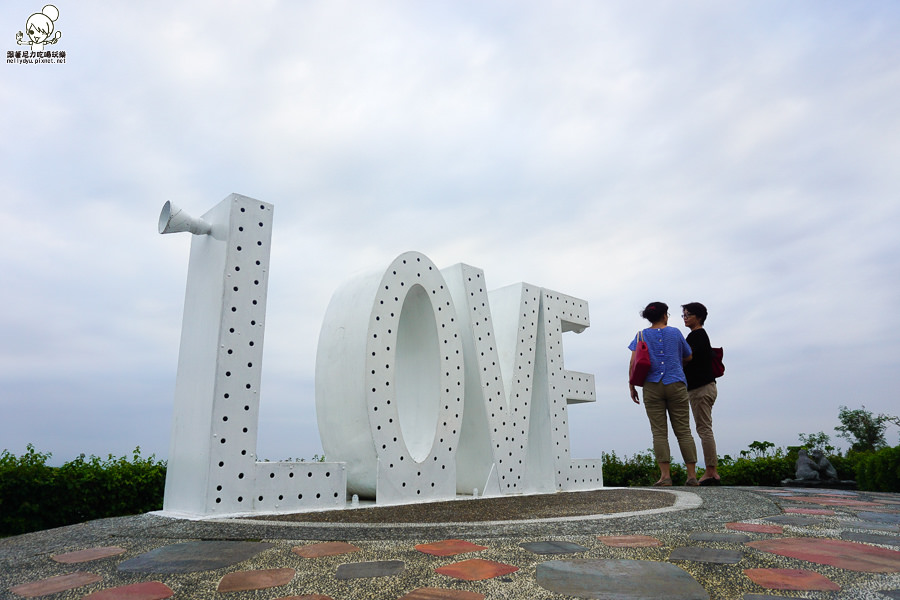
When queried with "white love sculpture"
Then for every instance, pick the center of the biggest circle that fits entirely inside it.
(427, 385)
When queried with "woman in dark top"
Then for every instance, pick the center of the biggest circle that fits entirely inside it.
(701, 385)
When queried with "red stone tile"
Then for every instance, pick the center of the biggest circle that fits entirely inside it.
(791, 579)
(86, 555)
(54, 585)
(810, 511)
(261, 579)
(629, 541)
(755, 528)
(476, 569)
(441, 594)
(830, 501)
(148, 590)
(324, 549)
(449, 548)
(837, 553)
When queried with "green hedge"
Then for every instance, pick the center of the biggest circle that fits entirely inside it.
(637, 470)
(873, 471)
(762, 470)
(35, 496)
(641, 470)
(879, 471)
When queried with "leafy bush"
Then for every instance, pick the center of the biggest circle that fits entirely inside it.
(879, 471)
(638, 470)
(23, 481)
(763, 470)
(34, 496)
(844, 465)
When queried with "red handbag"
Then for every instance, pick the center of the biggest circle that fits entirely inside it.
(718, 367)
(641, 365)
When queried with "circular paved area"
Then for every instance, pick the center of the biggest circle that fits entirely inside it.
(511, 508)
(721, 543)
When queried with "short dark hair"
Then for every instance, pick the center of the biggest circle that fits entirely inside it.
(655, 311)
(696, 309)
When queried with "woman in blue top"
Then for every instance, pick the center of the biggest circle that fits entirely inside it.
(665, 392)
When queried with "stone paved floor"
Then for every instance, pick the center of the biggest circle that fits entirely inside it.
(719, 543)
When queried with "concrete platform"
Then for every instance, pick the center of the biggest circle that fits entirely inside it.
(720, 543)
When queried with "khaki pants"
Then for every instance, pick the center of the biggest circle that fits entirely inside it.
(702, 400)
(669, 402)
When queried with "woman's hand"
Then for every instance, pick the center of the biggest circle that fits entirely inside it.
(634, 394)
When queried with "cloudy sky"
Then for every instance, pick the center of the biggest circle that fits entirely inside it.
(740, 154)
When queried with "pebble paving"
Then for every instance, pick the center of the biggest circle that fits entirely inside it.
(731, 538)
(440, 594)
(551, 547)
(794, 520)
(706, 555)
(715, 543)
(324, 549)
(629, 541)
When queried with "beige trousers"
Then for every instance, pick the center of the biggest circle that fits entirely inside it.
(664, 403)
(702, 400)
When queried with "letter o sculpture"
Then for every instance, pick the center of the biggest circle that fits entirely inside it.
(390, 383)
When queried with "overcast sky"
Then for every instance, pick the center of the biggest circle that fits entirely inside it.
(740, 154)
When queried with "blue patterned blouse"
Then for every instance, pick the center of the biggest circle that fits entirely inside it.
(667, 349)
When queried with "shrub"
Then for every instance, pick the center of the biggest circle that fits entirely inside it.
(24, 481)
(879, 471)
(638, 470)
(34, 496)
(761, 470)
(844, 465)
